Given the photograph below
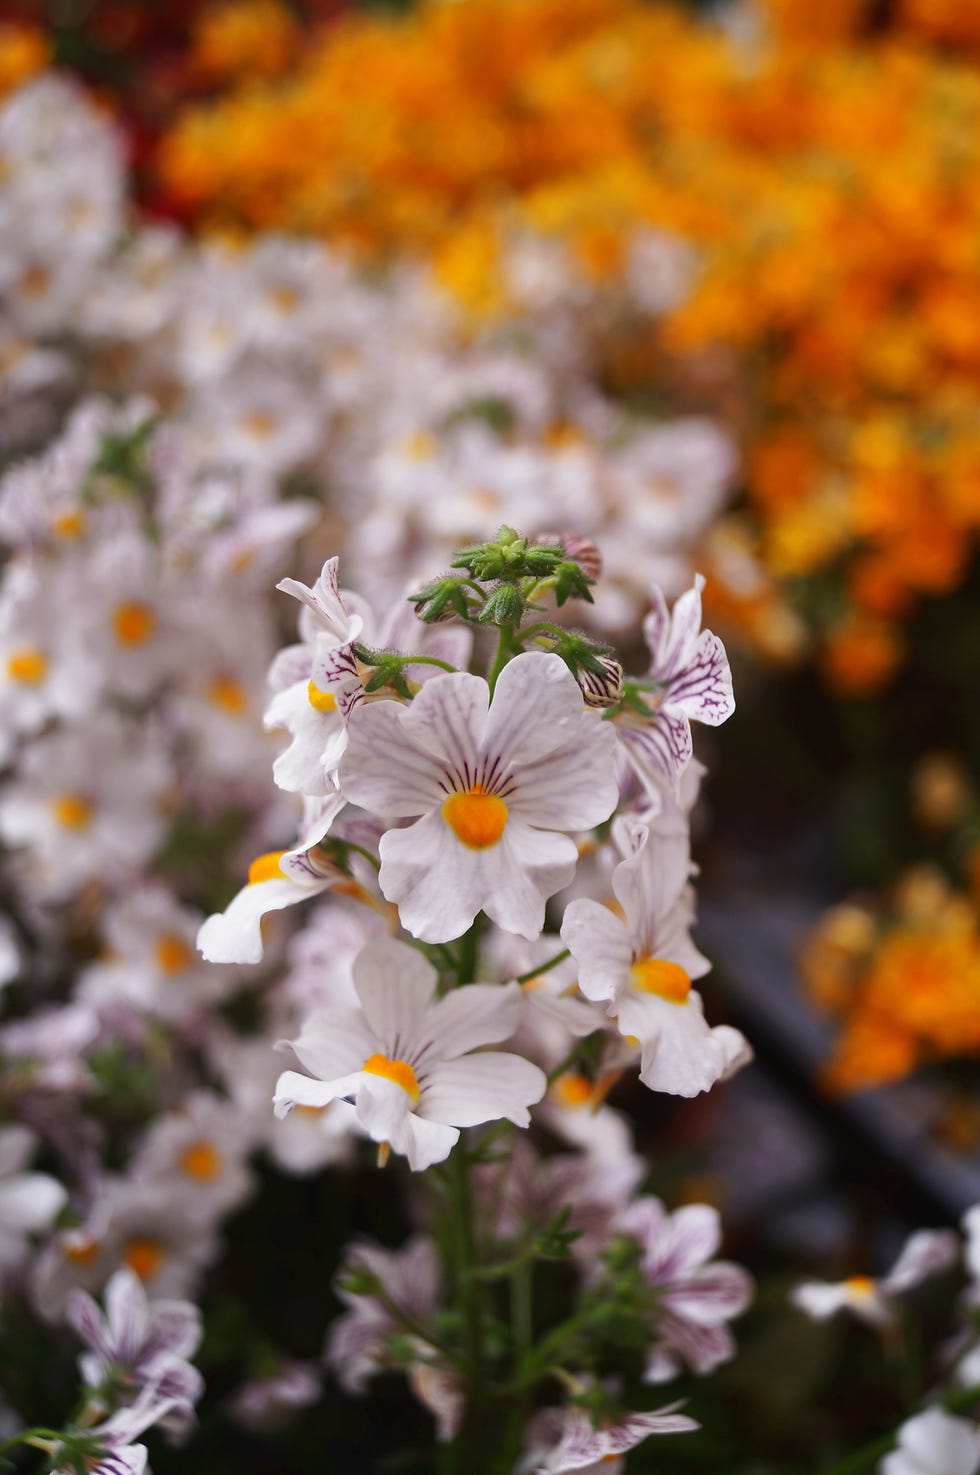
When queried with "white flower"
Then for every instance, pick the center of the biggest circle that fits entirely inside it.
(488, 786)
(276, 879)
(696, 1295)
(927, 1252)
(406, 1060)
(149, 1342)
(199, 1150)
(28, 1201)
(934, 1443)
(564, 1440)
(312, 699)
(87, 802)
(643, 965)
(692, 682)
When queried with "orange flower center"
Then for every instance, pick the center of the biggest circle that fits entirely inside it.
(476, 818)
(657, 976)
(81, 1250)
(572, 1089)
(144, 1256)
(201, 1160)
(861, 1286)
(173, 953)
(68, 525)
(73, 811)
(398, 1071)
(229, 695)
(323, 701)
(133, 623)
(266, 867)
(27, 665)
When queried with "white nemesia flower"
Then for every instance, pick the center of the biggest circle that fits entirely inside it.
(28, 1201)
(927, 1252)
(276, 879)
(564, 1440)
(488, 785)
(934, 1443)
(693, 682)
(643, 965)
(696, 1295)
(400, 1056)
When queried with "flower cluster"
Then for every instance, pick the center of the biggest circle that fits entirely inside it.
(837, 296)
(454, 810)
(905, 981)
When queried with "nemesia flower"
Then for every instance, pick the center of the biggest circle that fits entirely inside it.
(29, 1202)
(148, 1343)
(927, 1252)
(146, 1226)
(264, 1404)
(200, 1151)
(276, 879)
(356, 1340)
(696, 1295)
(934, 1443)
(108, 1448)
(152, 965)
(406, 1060)
(488, 785)
(566, 1440)
(643, 965)
(86, 804)
(692, 682)
(312, 700)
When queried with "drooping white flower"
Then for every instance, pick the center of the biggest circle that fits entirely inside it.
(407, 1061)
(489, 785)
(276, 879)
(696, 1295)
(565, 1440)
(644, 962)
(934, 1443)
(927, 1252)
(692, 682)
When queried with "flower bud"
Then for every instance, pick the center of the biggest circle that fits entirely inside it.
(604, 687)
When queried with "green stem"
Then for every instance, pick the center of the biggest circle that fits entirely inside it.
(471, 1453)
(522, 1306)
(429, 661)
(501, 655)
(544, 968)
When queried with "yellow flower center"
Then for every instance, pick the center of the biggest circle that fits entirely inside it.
(69, 525)
(323, 701)
(73, 811)
(228, 694)
(476, 818)
(173, 953)
(572, 1089)
(133, 622)
(861, 1286)
(28, 665)
(398, 1071)
(145, 1256)
(657, 976)
(259, 424)
(201, 1160)
(419, 446)
(266, 867)
(81, 1249)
